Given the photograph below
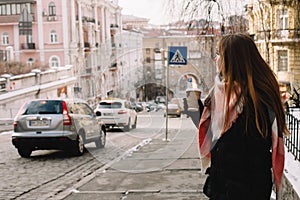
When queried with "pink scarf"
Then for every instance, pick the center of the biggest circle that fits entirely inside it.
(211, 128)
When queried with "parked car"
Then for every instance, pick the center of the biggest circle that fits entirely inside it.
(137, 107)
(151, 106)
(117, 112)
(65, 124)
(173, 109)
(143, 104)
(161, 106)
(179, 102)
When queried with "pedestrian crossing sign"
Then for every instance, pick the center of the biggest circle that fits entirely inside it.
(177, 55)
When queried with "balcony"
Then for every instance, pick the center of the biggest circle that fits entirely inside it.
(51, 18)
(29, 46)
(86, 72)
(86, 19)
(114, 29)
(282, 34)
(157, 50)
(296, 33)
(114, 26)
(113, 67)
(86, 46)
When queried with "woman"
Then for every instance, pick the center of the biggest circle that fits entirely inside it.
(242, 126)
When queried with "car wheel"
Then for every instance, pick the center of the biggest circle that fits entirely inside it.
(135, 122)
(25, 152)
(79, 146)
(127, 127)
(101, 140)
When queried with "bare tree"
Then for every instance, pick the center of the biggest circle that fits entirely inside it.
(210, 10)
(188, 10)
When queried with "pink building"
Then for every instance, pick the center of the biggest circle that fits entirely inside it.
(57, 33)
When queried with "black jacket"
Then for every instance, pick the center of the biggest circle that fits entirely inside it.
(241, 163)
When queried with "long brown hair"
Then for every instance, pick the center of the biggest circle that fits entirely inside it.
(243, 67)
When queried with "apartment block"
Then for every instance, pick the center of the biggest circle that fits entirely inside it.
(275, 26)
(59, 33)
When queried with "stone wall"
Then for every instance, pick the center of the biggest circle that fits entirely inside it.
(36, 84)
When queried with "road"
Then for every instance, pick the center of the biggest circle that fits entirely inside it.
(47, 173)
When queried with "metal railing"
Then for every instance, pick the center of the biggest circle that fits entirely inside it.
(292, 142)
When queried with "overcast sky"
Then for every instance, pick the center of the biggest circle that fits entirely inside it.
(151, 9)
(155, 10)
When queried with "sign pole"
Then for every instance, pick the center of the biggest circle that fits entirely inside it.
(177, 55)
(167, 98)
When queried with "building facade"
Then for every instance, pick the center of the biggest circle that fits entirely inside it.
(275, 26)
(198, 73)
(64, 32)
(128, 59)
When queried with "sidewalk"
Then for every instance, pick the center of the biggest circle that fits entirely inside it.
(156, 169)
(6, 124)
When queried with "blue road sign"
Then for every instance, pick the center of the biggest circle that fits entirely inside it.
(177, 55)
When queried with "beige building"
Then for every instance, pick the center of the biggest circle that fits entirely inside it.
(133, 22)
(199, 71)
(275, 26)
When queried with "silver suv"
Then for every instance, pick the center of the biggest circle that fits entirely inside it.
(65, 124)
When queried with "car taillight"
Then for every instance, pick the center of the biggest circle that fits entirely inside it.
(20, 112)
(66, 117)
(122, 112)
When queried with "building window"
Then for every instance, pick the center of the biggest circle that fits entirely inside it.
(282, 60)
(148, 60)
(5, 40)
(8, 11)
(3, 10)
(18, 8)
(13, 9)
(52, 9)
(53, 37)
(147, 50)
(30, 61)
(54, 61)
(29, 39)
(283, 19)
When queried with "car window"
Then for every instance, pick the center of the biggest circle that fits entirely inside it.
(85, 109)
(110, 105)
(127, 105)
(81, 108)
(44, 107)
(73, 108)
